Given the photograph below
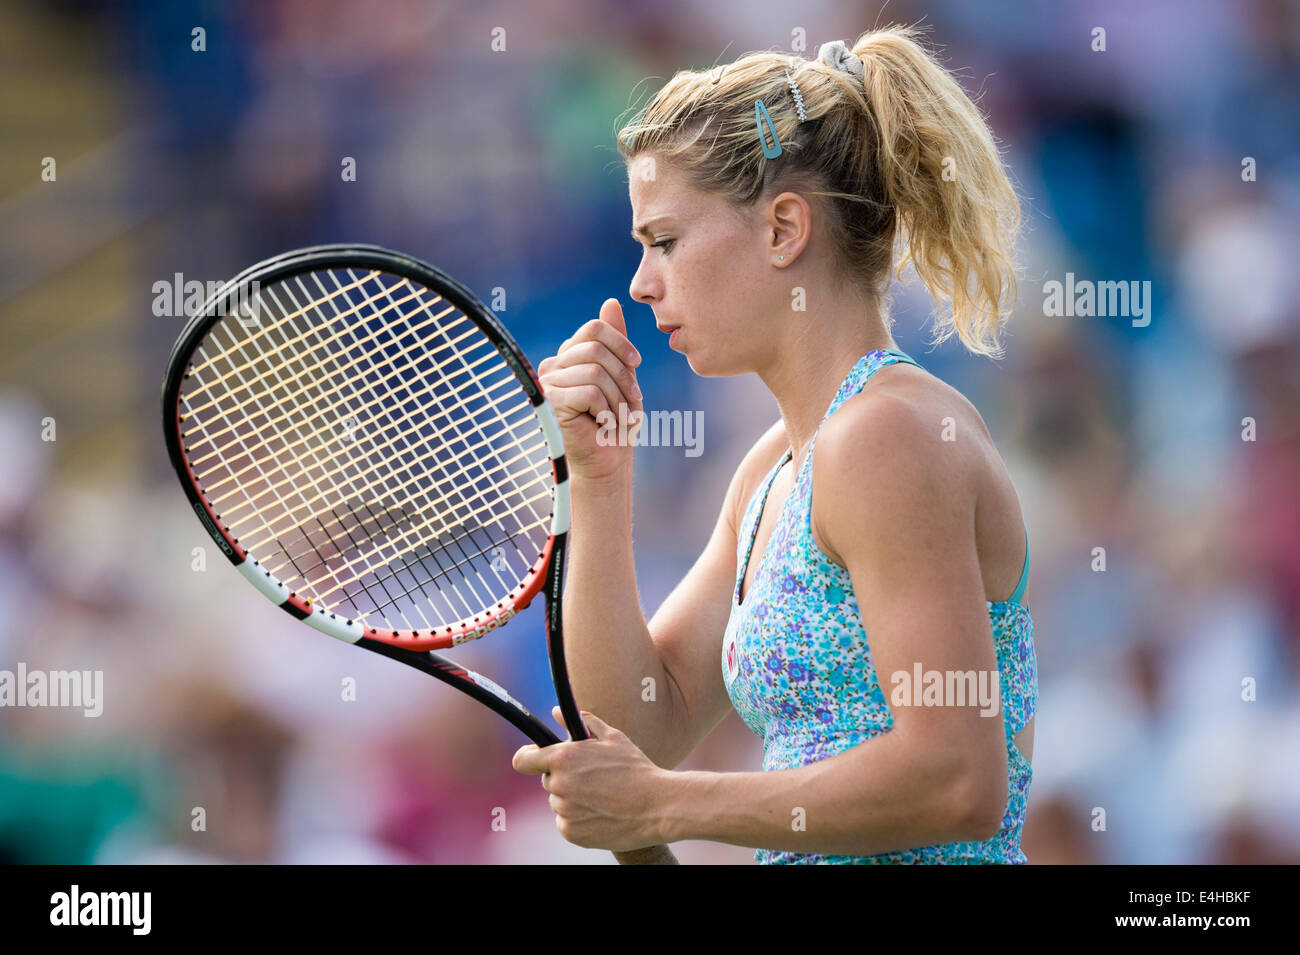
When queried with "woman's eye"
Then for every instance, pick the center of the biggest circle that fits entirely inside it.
(665, 244)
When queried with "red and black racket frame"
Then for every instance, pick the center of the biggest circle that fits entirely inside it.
(320, 258)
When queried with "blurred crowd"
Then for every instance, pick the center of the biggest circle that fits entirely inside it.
(1158, 466)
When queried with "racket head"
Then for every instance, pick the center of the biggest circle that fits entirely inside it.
(368, 445)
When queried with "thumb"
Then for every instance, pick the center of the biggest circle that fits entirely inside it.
(558, 715)
(611, 313)
(598, 728)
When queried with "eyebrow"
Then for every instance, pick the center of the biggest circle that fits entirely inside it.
(644, 227)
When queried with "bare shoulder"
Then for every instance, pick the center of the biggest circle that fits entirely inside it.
(916, 414)
(907, 441)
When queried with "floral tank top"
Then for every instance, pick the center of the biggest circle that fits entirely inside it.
(798, 668)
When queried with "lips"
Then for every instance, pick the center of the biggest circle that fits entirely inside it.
(668, 329)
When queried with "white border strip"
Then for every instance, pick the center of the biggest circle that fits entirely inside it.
(551, 427)
(261, 578)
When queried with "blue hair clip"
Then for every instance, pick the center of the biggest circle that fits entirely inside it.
(760, 114)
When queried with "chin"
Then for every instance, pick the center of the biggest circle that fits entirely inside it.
(698, 363)
(704, 366)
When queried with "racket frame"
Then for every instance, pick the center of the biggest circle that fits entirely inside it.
(218, 306)
(546, 575)
(415, 650)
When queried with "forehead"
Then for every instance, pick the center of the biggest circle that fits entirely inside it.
(657, 188)
(654, 183)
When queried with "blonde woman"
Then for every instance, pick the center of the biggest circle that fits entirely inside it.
(873, 633)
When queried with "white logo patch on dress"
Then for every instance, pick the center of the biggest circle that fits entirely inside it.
(730, 658)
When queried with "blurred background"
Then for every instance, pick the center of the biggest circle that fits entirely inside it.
(500, 167)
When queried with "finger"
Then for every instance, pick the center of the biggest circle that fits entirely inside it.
(590, 375)
(635, 418)
(611, 313)
(598, 728)
(558, 715)
(530, 760)
(615, 339)
(579, 400)
(598, 353)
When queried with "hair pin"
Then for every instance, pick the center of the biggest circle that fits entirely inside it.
(760, 114)
(798, 97)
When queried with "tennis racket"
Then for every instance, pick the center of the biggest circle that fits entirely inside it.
(370, 448)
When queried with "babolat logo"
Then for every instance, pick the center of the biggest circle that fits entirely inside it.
(212, 528)
(102, 908)
(483, 628)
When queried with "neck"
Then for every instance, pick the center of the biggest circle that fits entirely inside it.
(807, 370)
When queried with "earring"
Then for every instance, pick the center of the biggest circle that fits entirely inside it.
(783, 258)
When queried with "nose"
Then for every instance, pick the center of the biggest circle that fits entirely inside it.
(645, 288)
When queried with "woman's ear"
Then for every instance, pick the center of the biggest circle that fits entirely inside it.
(789, 221)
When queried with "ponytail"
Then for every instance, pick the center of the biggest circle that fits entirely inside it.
(940, 169)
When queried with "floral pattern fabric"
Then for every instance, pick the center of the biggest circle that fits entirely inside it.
(797, 663)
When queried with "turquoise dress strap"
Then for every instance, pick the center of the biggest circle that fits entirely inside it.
(1018, 596)
(903, 355)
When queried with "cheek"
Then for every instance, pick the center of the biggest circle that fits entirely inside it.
(714, 270)
(717, 276)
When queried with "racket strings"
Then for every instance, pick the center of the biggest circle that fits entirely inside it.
(490, 505)
(485, 507)
(522, 408)
(528, 420)
(276, 326)
(440, 507)
(259, 462)
(354, 538)
(469, 581)
(473, 447)
(278, 419)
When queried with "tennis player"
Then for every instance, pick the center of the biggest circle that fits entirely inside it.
(873, 633)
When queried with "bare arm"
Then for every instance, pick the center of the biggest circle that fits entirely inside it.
(613, 652)
(660, 683)
(608, 646)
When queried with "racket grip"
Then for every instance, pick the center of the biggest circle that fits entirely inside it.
(651, 855)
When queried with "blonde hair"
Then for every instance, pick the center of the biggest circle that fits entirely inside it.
(900, 155)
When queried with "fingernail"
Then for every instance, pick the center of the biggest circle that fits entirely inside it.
(634, 357)
(636, 392)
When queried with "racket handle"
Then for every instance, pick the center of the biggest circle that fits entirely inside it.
(651, 855)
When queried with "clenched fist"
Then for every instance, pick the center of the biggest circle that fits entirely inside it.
(586, 382)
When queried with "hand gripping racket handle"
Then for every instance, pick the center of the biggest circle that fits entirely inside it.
(651, 855)
(472, 685)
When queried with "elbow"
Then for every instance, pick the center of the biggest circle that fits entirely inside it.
(978, 805)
